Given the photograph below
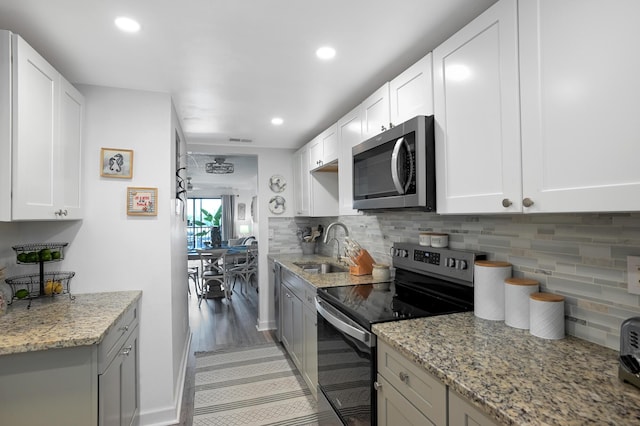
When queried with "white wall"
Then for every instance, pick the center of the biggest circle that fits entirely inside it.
(111, 251)
(270, 162)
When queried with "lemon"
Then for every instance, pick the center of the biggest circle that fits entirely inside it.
(57, 287)
(48, 287)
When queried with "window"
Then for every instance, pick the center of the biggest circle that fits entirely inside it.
(198, 235)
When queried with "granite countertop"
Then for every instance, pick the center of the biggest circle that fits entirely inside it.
(60, 322)
(517, 378)
(333, 279)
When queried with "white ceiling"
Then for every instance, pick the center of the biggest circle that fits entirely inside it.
(232, 65)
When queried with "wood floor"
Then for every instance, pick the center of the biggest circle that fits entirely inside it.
(219, 324)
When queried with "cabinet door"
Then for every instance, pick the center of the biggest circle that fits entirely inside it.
(302, 192)
(5, 127)
(349, 135)
(394, 409)
(476, 99)
(579, 131)
(310, 349)
(35, 133)
(298, 333)
(68, 191)
(118, 386)
(129, 392)
(375, 112)
(462, 412)
(315, 153)
(330, 144)
(286, 308)
(411, 93)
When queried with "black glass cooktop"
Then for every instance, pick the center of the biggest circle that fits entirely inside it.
(410, 295)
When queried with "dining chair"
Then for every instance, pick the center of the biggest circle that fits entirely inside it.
(244, 267)
(212, 274)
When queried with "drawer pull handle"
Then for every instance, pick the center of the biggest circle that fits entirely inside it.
(404, 376)
(124, 328)
(377, 386)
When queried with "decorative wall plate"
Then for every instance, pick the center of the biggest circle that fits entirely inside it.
(277, 205)
(277, 183)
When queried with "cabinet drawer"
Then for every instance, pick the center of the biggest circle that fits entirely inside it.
(423, 390)
(294, 283)
(116, 336)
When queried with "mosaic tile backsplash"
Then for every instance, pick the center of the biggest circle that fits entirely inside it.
(581, 256)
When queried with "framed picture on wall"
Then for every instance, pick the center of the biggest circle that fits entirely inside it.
(142, 201)
(242, 211)
(116, 163)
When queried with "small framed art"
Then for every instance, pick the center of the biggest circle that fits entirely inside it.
(142, 201)
(116, 163)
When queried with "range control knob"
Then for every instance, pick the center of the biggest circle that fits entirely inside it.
(461, 264)
(403, 253)
(450, 262)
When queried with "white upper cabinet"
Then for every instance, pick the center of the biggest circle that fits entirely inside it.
(349, 135)
(476, 103)
(323, 149)
(46, 140)
(411, 93)
(375, 112)
(302, 190)
(579, 88)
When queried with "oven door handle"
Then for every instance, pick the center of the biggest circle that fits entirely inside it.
(333, 319)
(401, 187)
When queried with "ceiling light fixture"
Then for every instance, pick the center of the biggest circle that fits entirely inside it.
(219, 167)
(277, 121)
(326, 52)
(127, 25)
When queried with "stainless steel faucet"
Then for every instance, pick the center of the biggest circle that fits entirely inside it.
(331, 225)
(326, 235)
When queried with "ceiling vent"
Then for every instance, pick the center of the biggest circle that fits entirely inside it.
(240, 140)
(219, 167)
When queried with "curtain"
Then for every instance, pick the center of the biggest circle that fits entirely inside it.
(228, 207)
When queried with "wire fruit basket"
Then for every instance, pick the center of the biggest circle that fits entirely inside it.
(41, 252)
(27, 287)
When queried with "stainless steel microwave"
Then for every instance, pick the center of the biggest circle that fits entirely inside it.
(396, 168)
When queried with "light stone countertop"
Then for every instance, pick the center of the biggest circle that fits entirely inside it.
(60, 322)
(517, 378)
(333, 279)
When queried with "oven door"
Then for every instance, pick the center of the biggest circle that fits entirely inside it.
(346, 366)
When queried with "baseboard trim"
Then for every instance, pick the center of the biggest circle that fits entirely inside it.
(170, 415)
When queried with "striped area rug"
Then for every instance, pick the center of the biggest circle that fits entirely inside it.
(258, 385)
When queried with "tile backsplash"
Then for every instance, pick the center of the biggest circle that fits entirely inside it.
(581, 256)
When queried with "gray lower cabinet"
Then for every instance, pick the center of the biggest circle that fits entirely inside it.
(409, 395)
(76, 386)
(298, 321)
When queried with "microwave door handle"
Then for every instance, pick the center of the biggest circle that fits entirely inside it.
(395, 160)
(349, 330)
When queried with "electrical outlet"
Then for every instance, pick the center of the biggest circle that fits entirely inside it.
(633, 274)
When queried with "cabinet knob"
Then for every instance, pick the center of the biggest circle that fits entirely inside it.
(391, 125)
(527, 202)
(404, 376)
(382, 128)
(377, 386)
(124, 329)
(506, 202)
(126, 351)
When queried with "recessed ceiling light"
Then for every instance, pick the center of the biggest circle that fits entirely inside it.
(127, 25)
(276, 121)
(326, 52)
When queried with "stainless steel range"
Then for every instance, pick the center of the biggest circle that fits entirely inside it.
(429, 281)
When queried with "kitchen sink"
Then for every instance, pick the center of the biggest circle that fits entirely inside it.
(320, 268)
